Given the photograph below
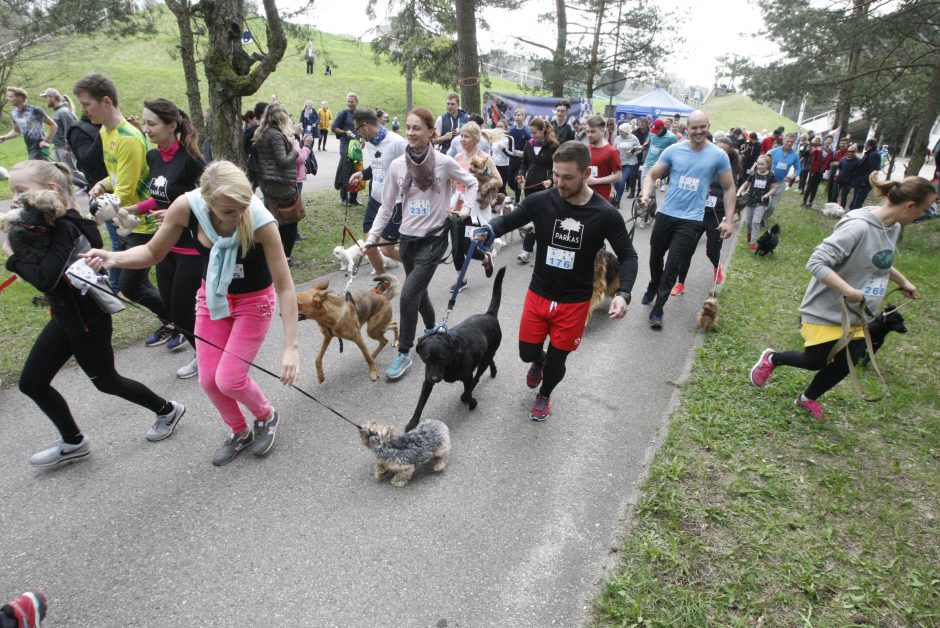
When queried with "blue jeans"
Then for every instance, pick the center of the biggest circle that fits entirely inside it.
(626, 173)
(117, 244)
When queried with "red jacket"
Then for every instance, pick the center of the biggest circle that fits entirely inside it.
(820, 163)
(766, 144)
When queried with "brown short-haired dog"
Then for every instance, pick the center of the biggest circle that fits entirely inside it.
(344, 317)
(606, 278)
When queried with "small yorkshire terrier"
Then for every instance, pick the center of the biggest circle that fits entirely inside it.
(708, 315)
(429, 442)
(29, 224)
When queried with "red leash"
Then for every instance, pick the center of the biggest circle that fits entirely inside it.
(6, 284)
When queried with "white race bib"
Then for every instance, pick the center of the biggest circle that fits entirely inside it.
(559, 258)
(654, 150)
(782, 166)
(594, 171)
(378, 177)
(468, 231)
(760, 184)
(711, 201)
(875, 287)
(238, 272)
(419, 207)
(689, 184)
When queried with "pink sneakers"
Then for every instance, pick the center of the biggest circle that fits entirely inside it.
(677, 289)
(810, 406)
(763, 369)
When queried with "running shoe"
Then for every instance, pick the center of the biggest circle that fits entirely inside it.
(811, 407)
(265, 433)
(719, 275)
(159, 337)
(656, 321)
(29, 609)
(233, 445)
(752, 246)
(190, 370)
(177, 342)
(541, 409)
(165, 424)
(524, 257)
(534, 377)
(762, 369)
(648, 297)
(61, 452)
(463, 286)
(400, 364)
(677, 289)
(488, 265)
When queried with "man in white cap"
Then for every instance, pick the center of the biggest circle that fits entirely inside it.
(64, 118)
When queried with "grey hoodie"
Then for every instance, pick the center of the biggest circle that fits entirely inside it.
(861, 250)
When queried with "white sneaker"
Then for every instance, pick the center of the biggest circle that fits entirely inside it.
(524, 257)
(190, 370)
(61, 452)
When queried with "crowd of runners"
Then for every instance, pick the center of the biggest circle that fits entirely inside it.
(223, 253)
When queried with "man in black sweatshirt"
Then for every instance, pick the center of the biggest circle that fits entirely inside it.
(571, 224)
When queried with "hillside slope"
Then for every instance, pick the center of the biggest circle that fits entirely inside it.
(737, 110)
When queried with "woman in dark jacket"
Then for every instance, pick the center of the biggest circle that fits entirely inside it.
(78, 328)
(847, 174)
(536, 171)
(277, 151)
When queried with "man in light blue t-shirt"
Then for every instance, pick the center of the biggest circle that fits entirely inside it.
(691, 165)
(782, 159)
(660, 138)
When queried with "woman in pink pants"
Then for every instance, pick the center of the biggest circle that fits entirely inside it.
(244, 266)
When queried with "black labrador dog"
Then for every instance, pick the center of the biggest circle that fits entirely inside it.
(889, 320)
(462, 353)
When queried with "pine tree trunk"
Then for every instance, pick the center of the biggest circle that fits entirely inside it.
(468, 62)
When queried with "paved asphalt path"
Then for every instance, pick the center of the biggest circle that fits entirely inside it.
(520, 530)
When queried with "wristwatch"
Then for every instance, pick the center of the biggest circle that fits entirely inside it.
(624, 295)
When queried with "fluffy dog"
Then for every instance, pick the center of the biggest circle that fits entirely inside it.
(606, 278)
(108, 207)
(344, 317)
(461, 353)
(349, 257)
(486, 194)
(889, 320)
(833, 210)
(27, 226)
(768, 241)
(708, 315)
(400, 455)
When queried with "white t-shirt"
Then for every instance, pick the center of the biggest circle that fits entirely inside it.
(496, 151)
(380, 157)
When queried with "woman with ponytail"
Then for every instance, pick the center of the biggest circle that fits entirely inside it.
(176, 165)
(855, 264)
(535, 174)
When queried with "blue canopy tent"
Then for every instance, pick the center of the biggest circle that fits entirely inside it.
(654, 104)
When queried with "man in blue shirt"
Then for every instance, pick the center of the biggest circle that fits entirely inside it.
(691, 164)
(782, 159)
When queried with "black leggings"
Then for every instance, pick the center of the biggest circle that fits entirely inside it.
(677, 237)
(515, 165)
(813, 358)
(712, 242)
(92, 351)
(288, 237)
(461, 244)
(420, 257)
(504, 175)
(321, 141)
(135, 283)
(812, 186)
(178, 278)
(552, 361)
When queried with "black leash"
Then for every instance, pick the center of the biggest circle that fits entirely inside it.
(136, 305)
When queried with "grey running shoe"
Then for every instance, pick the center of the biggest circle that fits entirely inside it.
(265, 433)
(233, 445)
(61, 452)
(190, 370)
(165, 424)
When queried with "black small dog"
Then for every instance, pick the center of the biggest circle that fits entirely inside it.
(29, 224)
(768, 241)
(461, 353)
(889, 320)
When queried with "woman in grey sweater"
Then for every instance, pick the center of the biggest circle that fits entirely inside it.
(855, 264)
(277, 150)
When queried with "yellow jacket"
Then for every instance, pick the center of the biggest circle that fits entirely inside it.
(326, 119)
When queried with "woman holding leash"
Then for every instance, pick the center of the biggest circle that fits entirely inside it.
(855, 264)
(176, 165)
(422, 179)
(78, 328)
(243, 266)
(536, 171)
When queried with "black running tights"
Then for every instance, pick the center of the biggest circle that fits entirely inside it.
(813, 358)
(92, 351)
(178, 278)
(712, 242)
(552, 361)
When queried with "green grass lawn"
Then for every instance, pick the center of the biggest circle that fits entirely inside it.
(737, 110)
(754, 515)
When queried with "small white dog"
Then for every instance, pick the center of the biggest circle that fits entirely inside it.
(349, 257)
(833, 210)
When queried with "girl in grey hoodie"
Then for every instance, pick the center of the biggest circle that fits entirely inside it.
(855, 264)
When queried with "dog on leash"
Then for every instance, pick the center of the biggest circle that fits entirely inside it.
(606, 279)
(879, 327)
(461, 353)
(708, 315)
(768, 241)
(401, 455)
(343, 317)
(348, 257)
(27, 226)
